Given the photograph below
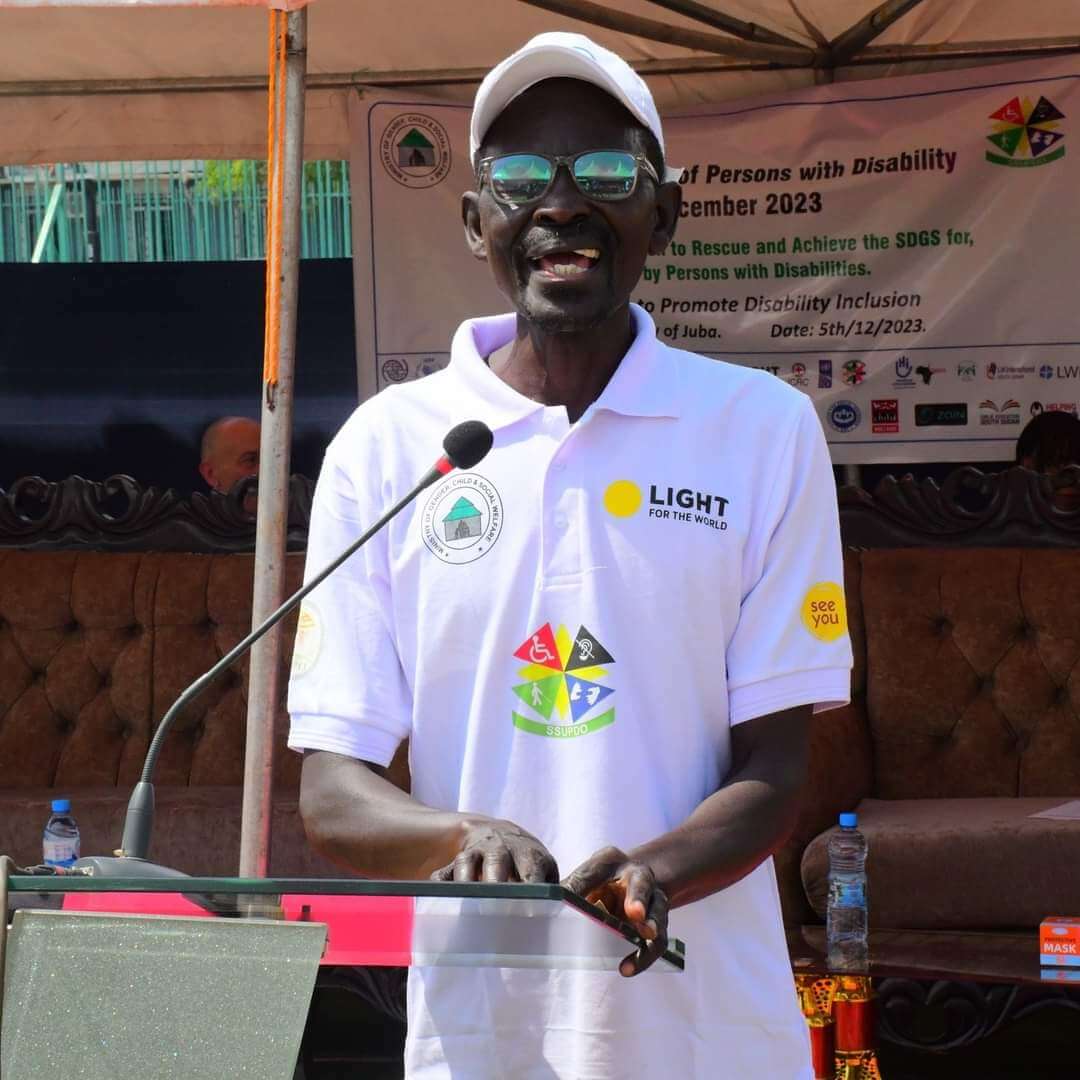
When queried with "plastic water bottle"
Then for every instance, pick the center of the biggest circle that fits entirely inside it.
(60, 842)
(846, 919)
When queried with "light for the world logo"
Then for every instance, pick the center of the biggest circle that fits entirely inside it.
(1026, 134)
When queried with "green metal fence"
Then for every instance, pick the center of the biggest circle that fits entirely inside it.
(162, 211)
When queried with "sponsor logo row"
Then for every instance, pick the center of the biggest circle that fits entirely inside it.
(909, 374)
(846, 416)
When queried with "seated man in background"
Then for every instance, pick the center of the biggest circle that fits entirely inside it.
(230, 452)
(1049, 443)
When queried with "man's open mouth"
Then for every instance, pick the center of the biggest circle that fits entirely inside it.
(566, 264)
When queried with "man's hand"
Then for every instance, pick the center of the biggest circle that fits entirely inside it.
(499, 851)
(628, 890)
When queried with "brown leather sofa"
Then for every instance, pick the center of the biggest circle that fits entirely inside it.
(965, 717)
(94, 647)
(963, 724)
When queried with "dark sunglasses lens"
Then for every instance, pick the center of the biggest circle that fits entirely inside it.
(606, 174)
(520, 177)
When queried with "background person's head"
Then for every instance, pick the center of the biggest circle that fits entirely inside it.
(1049, 442)
(569, 252)
(230, 451)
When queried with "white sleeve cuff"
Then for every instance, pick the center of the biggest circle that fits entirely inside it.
(826, 688)
(364, 740)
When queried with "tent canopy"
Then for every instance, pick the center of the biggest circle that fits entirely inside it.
(136, 81)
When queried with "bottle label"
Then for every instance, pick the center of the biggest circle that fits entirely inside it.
(847, 893)
(60, 852)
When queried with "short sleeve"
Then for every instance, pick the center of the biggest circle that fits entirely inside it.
(790, 645)
(347, 691)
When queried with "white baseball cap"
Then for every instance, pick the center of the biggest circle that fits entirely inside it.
(558, 55)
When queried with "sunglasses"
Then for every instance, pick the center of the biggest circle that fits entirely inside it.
(602, 175)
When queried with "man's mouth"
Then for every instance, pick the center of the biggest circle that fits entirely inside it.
(561, 265)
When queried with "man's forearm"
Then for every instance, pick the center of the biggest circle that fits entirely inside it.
(358, 818)
(740, 825)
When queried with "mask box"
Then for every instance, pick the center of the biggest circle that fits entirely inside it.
(1059, 942)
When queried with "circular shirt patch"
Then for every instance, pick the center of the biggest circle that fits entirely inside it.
(824, 613)
(308, 643)
(462, 518)
(622, 498)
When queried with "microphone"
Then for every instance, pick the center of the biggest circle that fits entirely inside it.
(464, 446)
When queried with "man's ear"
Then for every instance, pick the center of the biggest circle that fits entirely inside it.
(668, 202)
(206, 471)
(474, 233)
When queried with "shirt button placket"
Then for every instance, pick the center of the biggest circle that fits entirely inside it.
(560, 554)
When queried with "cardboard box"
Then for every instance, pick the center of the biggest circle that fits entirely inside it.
(1059, 941)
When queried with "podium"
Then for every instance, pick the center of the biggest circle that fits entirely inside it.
(118, 979)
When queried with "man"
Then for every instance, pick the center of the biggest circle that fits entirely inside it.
(609, 672)
(230, 452)
(1049, 443)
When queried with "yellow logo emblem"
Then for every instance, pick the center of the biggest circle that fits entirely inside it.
(622, 498)
(824, 613)
(308, 642)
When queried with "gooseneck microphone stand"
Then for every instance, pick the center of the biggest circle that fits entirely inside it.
(465, 445)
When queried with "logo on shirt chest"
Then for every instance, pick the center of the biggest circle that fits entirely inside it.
(678, 505)
(564, 684)
(462, 518)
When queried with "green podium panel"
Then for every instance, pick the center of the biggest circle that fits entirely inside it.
(152, 997)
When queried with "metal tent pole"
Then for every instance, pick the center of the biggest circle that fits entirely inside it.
(285, 167)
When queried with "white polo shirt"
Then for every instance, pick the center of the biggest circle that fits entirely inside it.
(567, 634)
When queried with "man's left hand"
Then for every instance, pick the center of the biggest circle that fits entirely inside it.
(628, 890)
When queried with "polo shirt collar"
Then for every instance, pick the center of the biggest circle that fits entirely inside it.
(644, 384)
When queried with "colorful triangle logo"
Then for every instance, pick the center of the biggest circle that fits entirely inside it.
(587, 652)
(541, 695)
(1012, 113)
(584, 695)
(540, 649)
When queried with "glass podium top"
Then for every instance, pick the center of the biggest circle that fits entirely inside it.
(379, 923)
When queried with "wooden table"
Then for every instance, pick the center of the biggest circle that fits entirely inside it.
(930, 990)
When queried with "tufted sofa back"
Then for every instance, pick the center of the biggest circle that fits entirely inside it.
(971, 680)
(95, 646)
(966, 677)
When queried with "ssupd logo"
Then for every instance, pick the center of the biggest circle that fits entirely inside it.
(844, 416)
(885, 416)
(941, 414)
(824, 376)
(1026, 133)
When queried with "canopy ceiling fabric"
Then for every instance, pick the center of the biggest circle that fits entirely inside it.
(84, 83)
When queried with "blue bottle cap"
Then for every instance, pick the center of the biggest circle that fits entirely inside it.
(847, 821)
(61, 806)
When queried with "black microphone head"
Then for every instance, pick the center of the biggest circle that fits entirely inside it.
(467, 444)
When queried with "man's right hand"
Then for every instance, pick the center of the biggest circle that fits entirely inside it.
(496, 850)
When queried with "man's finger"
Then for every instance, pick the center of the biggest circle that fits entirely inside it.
(657, 916)
(536, 864)
(466, 867)
(584, 879)
(643, 958)
(595, 871)
(497, 865)
(640, 885)
(444, 873)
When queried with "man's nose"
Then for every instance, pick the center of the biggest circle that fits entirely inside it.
(563, 203)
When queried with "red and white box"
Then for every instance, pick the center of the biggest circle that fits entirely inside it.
(1059, 941)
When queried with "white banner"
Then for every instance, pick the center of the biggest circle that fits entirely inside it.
(904, 251)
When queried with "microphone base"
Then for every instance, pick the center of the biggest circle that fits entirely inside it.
(123, 866)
